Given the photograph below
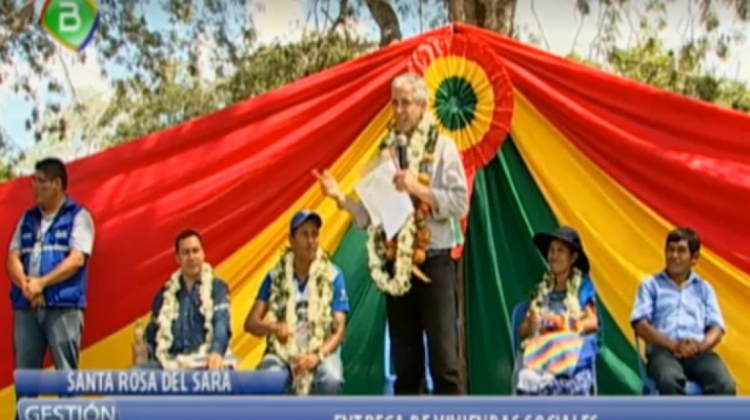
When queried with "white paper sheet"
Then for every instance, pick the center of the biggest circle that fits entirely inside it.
(386, 205)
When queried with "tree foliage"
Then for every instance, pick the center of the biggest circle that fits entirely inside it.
(125, 43)
(139, 109)
(681, 72)
(647, 59)
(684, 70)
(157, 73)
(203, 56)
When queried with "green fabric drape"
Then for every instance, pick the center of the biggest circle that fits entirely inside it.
(501, 268)
(364, 346)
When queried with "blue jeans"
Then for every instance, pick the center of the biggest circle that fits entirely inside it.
(35, 330)
(328, 378)
(150, 365)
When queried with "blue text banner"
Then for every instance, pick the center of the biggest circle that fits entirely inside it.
(149, 382)
(384, 408)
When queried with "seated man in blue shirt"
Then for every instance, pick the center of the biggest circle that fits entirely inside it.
(301, 308)
(199, 335)
(676, 312)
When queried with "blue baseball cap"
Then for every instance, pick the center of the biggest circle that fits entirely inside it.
(302, 216)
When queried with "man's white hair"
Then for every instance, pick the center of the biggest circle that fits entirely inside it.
(419, 87)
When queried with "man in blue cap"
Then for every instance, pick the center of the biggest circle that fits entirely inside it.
(301, 309)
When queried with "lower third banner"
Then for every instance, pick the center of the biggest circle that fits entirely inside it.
(380, 408)
(148, 382)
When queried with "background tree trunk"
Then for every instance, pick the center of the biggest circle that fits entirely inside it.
(387, 20)
(499, 15)
(495, 15)
(455, 10)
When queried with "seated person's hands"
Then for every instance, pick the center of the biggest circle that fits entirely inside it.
(214, 361)
(557, 323)
(686, 349)
(552, 323)
(282, 331)
(302, 363)
(534, 319)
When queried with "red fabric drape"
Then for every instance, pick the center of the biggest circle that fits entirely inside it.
(228, 175)
(687, 160)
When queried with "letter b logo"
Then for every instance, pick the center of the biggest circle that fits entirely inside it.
(71, 22)
(70, 18)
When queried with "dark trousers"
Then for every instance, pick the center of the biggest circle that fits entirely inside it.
(706, 369)
(427, 308)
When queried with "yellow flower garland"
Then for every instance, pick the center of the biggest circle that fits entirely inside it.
(283, 306)
(170, 311)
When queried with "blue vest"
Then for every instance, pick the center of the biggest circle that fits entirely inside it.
(55, 244)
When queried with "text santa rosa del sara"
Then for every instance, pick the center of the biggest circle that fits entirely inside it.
(150, 381)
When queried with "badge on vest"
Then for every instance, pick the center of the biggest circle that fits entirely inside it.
(61, 234)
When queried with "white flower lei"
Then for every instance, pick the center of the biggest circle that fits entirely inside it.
(572, 286)
(320, 317)
(400, 283)
(170, 311)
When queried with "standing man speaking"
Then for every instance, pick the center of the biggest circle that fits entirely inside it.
(415, 269)
(48, 268)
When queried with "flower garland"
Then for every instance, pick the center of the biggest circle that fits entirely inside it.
(411, 243)
(573, 309)
(283, 308)
(170, 311)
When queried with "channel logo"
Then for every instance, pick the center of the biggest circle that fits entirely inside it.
(72, 23)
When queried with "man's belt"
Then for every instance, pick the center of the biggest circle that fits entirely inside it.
(438, 252)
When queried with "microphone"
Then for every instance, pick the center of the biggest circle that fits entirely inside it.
(401, 151)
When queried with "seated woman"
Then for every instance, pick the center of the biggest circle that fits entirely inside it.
(557, 334)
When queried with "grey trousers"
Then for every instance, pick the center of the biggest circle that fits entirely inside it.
(36, 330)
(707, 369)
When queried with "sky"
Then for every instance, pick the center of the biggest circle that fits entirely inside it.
(284, 20)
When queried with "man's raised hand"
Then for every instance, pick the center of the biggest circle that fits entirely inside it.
(329, 185)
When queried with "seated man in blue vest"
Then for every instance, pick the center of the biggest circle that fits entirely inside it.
(198, 337)
(48, 267)
(301, 308)
(676, 312)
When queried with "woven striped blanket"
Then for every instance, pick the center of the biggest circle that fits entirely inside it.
(555, 352)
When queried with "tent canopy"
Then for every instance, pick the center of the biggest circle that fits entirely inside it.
(549, 141)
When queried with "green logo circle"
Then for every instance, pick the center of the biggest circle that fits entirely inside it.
(455, 103)
(71, 22)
